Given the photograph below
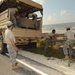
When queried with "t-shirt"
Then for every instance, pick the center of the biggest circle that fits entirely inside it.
(49, 35)
(70, 35)
(9, 35)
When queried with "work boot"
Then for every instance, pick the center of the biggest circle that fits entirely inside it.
(15, 67)
(16, 63)
(66, 58)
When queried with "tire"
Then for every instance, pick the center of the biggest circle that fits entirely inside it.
(32, 45)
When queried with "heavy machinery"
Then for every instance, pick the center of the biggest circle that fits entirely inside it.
(26, 31)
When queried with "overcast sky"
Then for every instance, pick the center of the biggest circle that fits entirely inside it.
(58, 11)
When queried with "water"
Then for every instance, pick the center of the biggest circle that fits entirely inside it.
(60, 28)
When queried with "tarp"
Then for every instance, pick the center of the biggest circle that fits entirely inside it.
(27, 6)
(1, 1)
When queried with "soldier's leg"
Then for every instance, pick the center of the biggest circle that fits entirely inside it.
(71, 48)
(65, 50)
(47, 43)
(12, 54)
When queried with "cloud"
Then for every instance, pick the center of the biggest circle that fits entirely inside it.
(48, 19)
(64, 12)
(39, 1)
(60, 17)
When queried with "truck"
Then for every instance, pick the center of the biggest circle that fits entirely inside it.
(29, 27)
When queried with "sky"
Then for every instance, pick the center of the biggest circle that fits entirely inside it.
(57, 11)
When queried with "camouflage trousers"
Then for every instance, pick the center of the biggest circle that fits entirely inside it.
(48, 41)
(12, 54)
(67, 48)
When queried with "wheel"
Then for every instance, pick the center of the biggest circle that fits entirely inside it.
(32, 45)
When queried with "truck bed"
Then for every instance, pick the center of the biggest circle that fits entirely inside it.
(22, 32)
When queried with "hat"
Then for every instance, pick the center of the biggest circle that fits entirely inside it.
(68, 28)
(9, 23)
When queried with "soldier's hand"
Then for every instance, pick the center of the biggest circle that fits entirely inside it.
(17, 49)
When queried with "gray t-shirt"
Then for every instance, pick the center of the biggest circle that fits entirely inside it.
(70, 35)
(49, 35)
(9, 35)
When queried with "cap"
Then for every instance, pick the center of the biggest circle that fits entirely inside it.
(68, 28)
(9, 23)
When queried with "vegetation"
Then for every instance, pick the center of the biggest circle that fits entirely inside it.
(50, 52)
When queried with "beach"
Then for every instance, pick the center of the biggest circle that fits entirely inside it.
(60, 28)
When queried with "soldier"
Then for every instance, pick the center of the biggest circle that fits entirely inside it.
(67, 48)
(11, 46)
(49, 37)
(35, 20)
